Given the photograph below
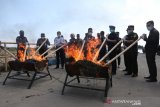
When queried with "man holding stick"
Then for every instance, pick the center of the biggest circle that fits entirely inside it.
(132, 52)
(21, 43)
(45, 45)
(112, 40)
(58, 42)
(151, 46)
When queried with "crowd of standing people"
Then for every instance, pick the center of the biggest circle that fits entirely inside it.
(130, 57)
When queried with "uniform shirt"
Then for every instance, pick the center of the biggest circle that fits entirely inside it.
(41, 40)
(112, 36)
(133, 36)
(153, 41)
(59, 41)
(21, 40)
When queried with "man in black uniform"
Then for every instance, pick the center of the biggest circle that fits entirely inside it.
(21, 43)
(45, 46)
(112, 40)
(73, 39)
(152, 43)
(103, 50)
(79, 41)
(132, 53)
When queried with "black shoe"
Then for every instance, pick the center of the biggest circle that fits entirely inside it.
(151, 80)
(56, 67)
(147, 77)
(134, 75)
(127, 74)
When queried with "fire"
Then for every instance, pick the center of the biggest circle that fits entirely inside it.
(26, 54)
(88, 53)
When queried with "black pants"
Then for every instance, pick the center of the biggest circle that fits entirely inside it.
(119, 60)
(150, 57)
(132, 63)
(126, 60)
(114, 63)
(60, 54)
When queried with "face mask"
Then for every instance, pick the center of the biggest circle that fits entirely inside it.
(149, 28)
(90, 33)
(112, 30)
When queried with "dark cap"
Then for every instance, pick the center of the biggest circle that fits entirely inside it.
(112, 27)
(130, 27)
(150, 22)
(42, 35)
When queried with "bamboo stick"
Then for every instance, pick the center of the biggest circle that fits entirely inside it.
(110, 51)
(48, 50)
(25, 52)
(41, 46)
(99, 49)
(81, 49)
(55, 51)
(123, 51)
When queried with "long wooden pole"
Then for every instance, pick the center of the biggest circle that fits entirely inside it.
(123, 52)
(47, 50)
(81, 50)
(110, 51)
(99, 49)
(41, 46)
(54, 51)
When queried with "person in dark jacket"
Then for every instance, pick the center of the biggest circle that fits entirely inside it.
(45, 46)
(151, 46)
(132, 53)
(21, 43)
(112, 40)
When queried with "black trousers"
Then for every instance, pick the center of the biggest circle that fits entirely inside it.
(114, 63)
(126, 60)
(150, 57)
(119, 60)
(132, 63)
(60, 54)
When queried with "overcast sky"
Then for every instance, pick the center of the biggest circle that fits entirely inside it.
(74, 16)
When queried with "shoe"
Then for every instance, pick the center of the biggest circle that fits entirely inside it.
(62, 68)
(151, 80)
(134, 75)
(127, 74)
(147, 77)
(56, 67)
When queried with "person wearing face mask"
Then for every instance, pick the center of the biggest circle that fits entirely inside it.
(132, 53)
(60, 54)
(45, 46)
(112, 40)
(151, 46)
(21, 42)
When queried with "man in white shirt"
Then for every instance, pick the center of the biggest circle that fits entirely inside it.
(58, 42)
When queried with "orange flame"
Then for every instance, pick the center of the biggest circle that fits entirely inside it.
(91, 47)
(31, 54)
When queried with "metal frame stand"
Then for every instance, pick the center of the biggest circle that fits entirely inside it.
(37, 75)
(107, 85)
